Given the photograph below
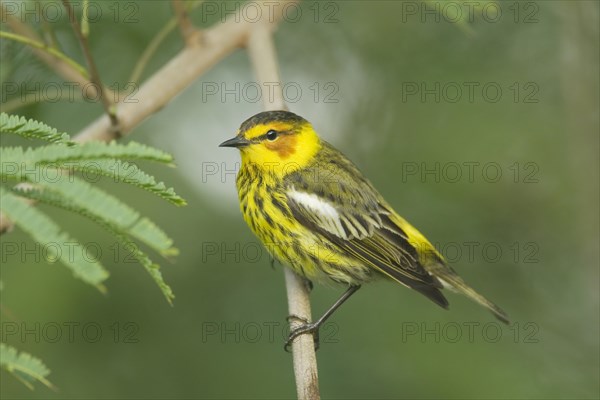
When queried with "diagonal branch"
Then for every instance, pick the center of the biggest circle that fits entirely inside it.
(95, 76)
(262, 54)
(183, 69)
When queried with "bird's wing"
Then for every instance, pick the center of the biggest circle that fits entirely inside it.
(334, 200)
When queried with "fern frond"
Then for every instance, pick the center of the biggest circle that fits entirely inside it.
(23, 366)
(103, 206)
(120, 171)
(123, 171)
(50, 169)
(111, 214)
(55, 153)
(32, 129)
(59, 245)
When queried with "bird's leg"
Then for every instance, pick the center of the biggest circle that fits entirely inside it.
(313, 328)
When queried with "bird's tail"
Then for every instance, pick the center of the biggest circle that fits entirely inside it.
(454, 282)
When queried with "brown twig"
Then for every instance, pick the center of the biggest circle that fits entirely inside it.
(183, 19)
(182, 70)
(94, 75)
(60, 66)
(303, 347)
(262, 54)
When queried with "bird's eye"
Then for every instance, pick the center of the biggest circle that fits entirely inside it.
(271, 135)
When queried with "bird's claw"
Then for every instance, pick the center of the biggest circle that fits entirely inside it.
(306, 327)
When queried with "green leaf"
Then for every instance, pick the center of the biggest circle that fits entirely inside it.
(55, 153)
(120, 171)
(58, 245)
(49, 169)
(121, 221)
(101, 205)
(31, 129)
(23, 366)
(123, 171)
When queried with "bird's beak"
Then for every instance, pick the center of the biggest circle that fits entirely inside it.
(238, 141)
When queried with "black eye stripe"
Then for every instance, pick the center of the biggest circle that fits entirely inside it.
(265, 136)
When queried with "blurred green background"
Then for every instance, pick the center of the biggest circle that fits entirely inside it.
(363, 70)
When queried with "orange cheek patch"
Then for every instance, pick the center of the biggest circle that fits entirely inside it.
(285, 146)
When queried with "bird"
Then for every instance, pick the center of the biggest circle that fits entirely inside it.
(318, 214)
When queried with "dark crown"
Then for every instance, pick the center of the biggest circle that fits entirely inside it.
(266, 117)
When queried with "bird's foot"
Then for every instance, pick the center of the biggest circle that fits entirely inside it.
(306, 327)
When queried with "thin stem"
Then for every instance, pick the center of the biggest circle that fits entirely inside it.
(49, 35)
(49, 54)
(85, 23)
(149, 51)
(303, 347)
(264, 61)
(156, 42)
(50, 50)
(262, 54)
(183, 19)
(95, 76)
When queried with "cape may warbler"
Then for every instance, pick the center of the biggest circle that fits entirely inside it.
(315, 211)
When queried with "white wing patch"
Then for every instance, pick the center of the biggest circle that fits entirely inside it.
(324, 212)
(344, 225)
